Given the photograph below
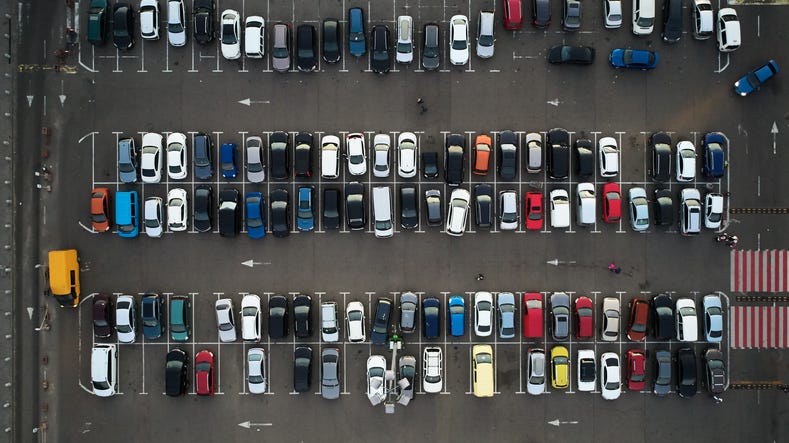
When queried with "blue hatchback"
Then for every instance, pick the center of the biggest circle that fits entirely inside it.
(456, 312)
(633, 59)
(256, 214)
(431, 310)
(305, 219)
(357, 44)
(227, 158)
(754, 79)
(714, 145)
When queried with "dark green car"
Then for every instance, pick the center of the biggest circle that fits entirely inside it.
(179, 318)
(98, 22)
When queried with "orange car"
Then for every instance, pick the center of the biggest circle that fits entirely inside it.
(100, 209)
(481, 154)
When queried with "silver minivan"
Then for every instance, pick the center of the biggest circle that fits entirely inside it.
(382, 209)
(280, 51)
(485, 38)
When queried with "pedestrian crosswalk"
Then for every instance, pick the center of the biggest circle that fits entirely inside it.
(759, 327)
(760, 271)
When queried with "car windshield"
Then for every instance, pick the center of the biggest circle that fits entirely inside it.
(228, 34)
(280, 52)
(432, 311)
(175, 28)
(407, 371)
(381, 55)
(356, 159)
(251, 311)
(354, 316)
(457, 309)
(305, 52)
(459, 44)
(587, 370)
(533, 304)
(255, 167)
(484, 358)
(645, 22)
(485, 40)
(404, 48)
(376, 372)
(254, 222)
(301, 310)
(357, 37)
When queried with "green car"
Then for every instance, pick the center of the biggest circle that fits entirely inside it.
(179, 318)
(98, 22)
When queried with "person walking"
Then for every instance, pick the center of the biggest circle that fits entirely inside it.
(612, 267)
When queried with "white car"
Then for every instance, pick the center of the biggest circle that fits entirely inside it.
(256, 171)
(176, 156)
(610, 376)
(104, 369)
(713, 318)
(457, 212)
(611, 318)
(536, 372)
(225, 323)
(729, 38)
(690, 211)
(125, 319)
(152, 219)
(406, 155)
(702, 18)
(560, 208)
(405, 43)
(713, 210)
(686, 321)
(458, 40)
(485, 39)
(256, 371)
(381, 144)
(250, 318)
(612, 13)
(149, 19)
(432, 370)
(355, 322)
(508, 210)
(177, 210)
(483, 314)
(609, 157)
(151, 157)
(586, 210)
(230, 34)
(587, 370)
(686, 161)
(357, 155)
(639, 209)
(330, 156)
(376, 385)
(176, 22)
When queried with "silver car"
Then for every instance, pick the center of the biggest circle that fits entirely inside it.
(406, 370)
(560, 315)
(256, 172)
(535, 384)
(610, 329)
(639, 209)
(662, 372)
(381, 144)
(330, 373)
(409, 303)
(506, 304)
(280, 52)
(713, 318)
(256, 371)
(225, 323)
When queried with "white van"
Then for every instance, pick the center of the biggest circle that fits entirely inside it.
(585, 212)
(330, 156)
(254, 37)
(643, 16)
(382, 208)
(330, 329)
(104, 369)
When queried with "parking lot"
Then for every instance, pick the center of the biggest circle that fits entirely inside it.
(158, 88)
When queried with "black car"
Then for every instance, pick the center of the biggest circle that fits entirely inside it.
(558, 154)
(302, 325)
(409, 208)
(663, 307)
(660, 144)
(302, 159)
(430, 164)
(331, 209)
(663, 209)
(454, 162)
(175, 373)
(541, 13)
(204, 156)
(280, 212)
(204, 16)
(152, 312)
(508, 155)
(575, 55)
(306, 60)
(686, 372)
(278, 317)
(715, 370)
(123, 26)
(332, 42)
(380, 56)
(584, 158)
(203, 208)
(103, 323)
(229, 213)
(354, 206)
(302, 368)
(432, 47)
(483, 201)
(672, 21)
(433, 206)
(279, 155)
(431, 316)
(380, 329)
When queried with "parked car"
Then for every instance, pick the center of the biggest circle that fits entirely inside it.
(639, 208)
(690, 212)
(306, 57)
(305, 219)
(152, 307)
(634, 59)
(356, 153)
(587, 370)
(225, 322)
(98, 22)
(381, 145)
(506, 309)
(100, 209)
(278, 317)
(177, 210)
(331, 40)
(202, 217)
(229, 213)
(458, 40)
(431, 314)
(558, 142)
(251, 318)
(541, 13)
(302, 159)
(571, 15)
(584, 318)
(729, 36)
(672, 21)
(612, 202)
(123, 25)
(636, 370)
(406, 154)
(686, 372)
(508, 155)
(574, 55)
(457, 213)
(713, 318)
(560, 316)
(355, 322)
(330, 373)
(256, 214)
(584, 158)
(639, 319)
(611, 316)
(302, 317)
(279, 155)
(663, 307)
(302, 368)
(281, 50)
(508, 210)
(714, 371)
(149, 20)
(151, 157)
(703, 18)
(405, 44)
(456, 316)
(431, 51)
(406, 370)
(330, 323)
(534, 212)
(485, 39)
(610, 376)
(357, 44)
(536, 368)
(686, 161)
(180, 318)
(103, 316)
(409, 306)
(227, 160)
(713, 210)
(454, 163)
(513, 14)
(127, 160)
(612, 13)
(355, 212)
(126, 319)
(204, 372)
(376, 384)
(662, 380)
(256, 172)
(203, 17)
(433, 207)
(660, 144)
(753, 80)
(176, 23)
(230, 34)
(409, 207)
(256, 371)
(713, 145)
(560, 208)
(175, 373)
(432, 370)
(560, 367)
(104, 369)
(280, 212)
(663, 207)
(483, 202)
(686, 320)
(532, 315)
(332, 218)
(533, 152)
(380, 54)
(609, 157)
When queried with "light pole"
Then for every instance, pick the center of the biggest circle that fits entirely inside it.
(392, 391)
(44, 325)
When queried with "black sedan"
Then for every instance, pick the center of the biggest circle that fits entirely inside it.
(558, 154)
(204, 208)
(303, 158)
(204, 16)
(686, 372)
(354, 206)
(380, 329)
(430, 164)
(409, 208)
(123, 26)
(229, 213)
(663, 209)
(380, 56)
(278, 317)
(663, 306)
(483, 202)
(508, 155)
(279, 155)
(102, 316)
(576, 55)
(302, 369)
(332, 42)
(175, 373)
(331, 209)
(280, 213)
(302, 324)
(454, 163)
(306, 60)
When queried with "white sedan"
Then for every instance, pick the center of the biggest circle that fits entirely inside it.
(231, 34)
(686, 161)
(560, 208)
(355, 318)
(639, 209)
(151, 158)
(176, 22)
(357, 156)
(406, 155)
(458, 40)
(176, 156)
(125, 315)
(256, 371)
(432, 381)
(609, 157)
(483, 314)
(610, 376)
(250, 318)
(225, 323)
(177, 210)
(612, 11)
(376, 385)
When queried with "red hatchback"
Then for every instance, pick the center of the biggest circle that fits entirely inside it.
(636, 371)
(100, 209)
(532, 315)
(639, 316)
(513, 14)
(612, 202)
(584, 313)
(204, 372)
(533, 210)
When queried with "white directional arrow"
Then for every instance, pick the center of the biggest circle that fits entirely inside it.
(557, 262)
(250, 263)
(248, 424)
(29, 101)
(30, 312)
(554, 102)
(774, 132)
(557, 422)
(248, 101)
(62, 96)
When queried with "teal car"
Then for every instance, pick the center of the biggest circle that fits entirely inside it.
(180, 318)
(98, 22)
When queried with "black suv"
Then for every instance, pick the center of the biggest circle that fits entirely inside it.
(663, 207)
(279, 155)
(303, 157)
(302, 369)
(204, 156)
(204, 16)
(508, 155)
(558, 154)
(430, 164)
(278, 317)
(354, 206)
(409, 208)
(229, 213)
(453, 159)
(302, 324)
(280, 212)
(203, 208)
(380, 57)
(672, 20)
(380, 329)
(331, 209)
(483, 201)
(663, 307)
(660, 142)
(305, 48)
(584, 158)
(332, 42)
(175, 378)
(123, 26)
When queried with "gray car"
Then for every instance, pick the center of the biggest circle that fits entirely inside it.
(256, 172)
(280, 52)
(430, 52)
(406, 369)
(127, 160)
(330, 373)
(433, 204)
(409, 303)
(560, 316)
(662, 372)
(506, 302)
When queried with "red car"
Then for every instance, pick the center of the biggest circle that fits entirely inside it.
(533, 210)
(204, 372)
(612, 202)
(639, 316)
(100, 209)
(584, 311)
(636, 371)
(513, 14)
(532, 315)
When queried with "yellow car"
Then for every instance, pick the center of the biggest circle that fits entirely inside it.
(560, 367)
(482, 365)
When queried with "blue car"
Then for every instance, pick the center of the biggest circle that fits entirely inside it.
(633, 59)
(256, 214)
(127, 214)
(152, 308)
(431, 310)
(754, 79)
(357, 45)
(304, 218)
(227, 158)
(456, 312)
(714, 145)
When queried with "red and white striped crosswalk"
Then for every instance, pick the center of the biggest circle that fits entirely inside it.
(760, 271)
(759, 327)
